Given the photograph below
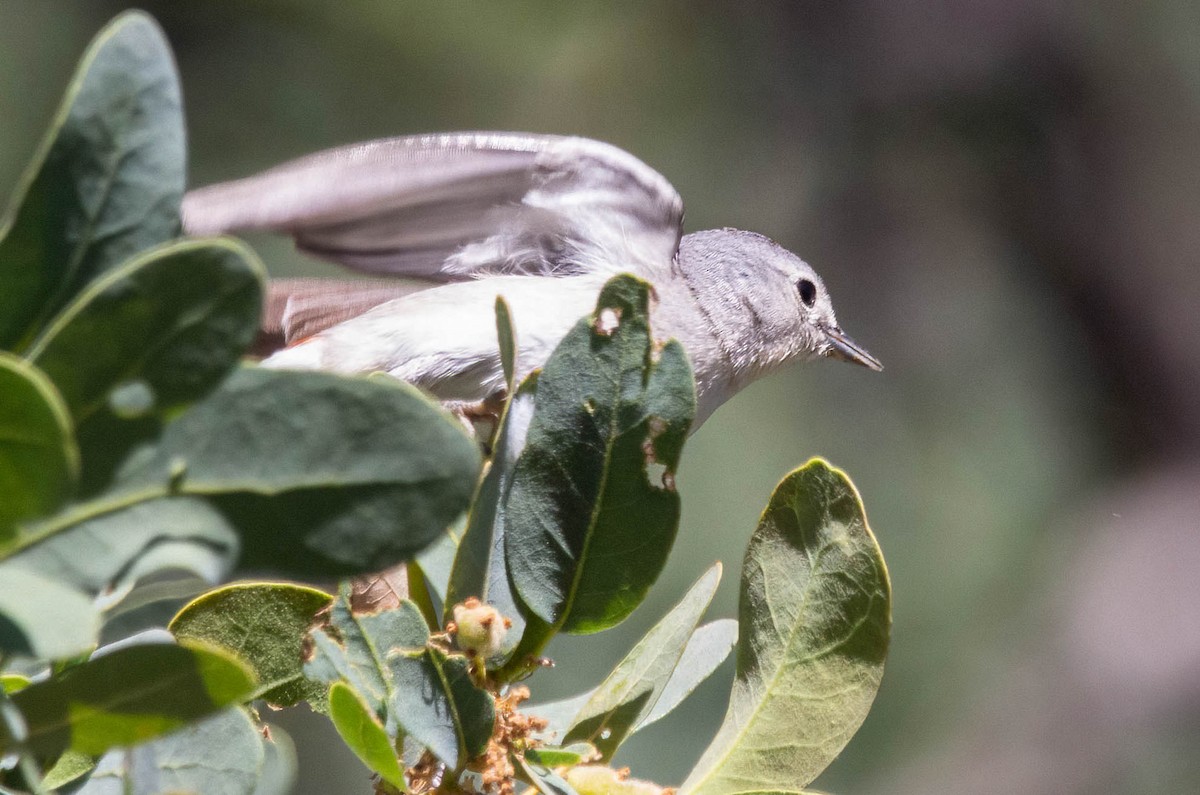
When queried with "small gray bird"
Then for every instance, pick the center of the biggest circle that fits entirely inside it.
(542, 220)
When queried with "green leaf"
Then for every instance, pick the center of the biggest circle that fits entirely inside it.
(130, 695)
(43, 618)
(279, 770)
(437, 704)
(264, 625)
(631, 691)
(106, 182)
(480, 568)
(508, 343)
(705, 651)
(107, 551)
(541, 776)
(71, 766)
(815, 616)
(355, 647)
(561, 756)
(318, 474)
(221, 755)
(11, 683)
(39, 462)
(363, 734)
(147, 339)
(592, 511)
(437, 559)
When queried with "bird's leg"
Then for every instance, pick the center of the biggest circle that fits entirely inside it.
(475, 413)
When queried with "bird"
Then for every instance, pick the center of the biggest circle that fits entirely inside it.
(542, 220)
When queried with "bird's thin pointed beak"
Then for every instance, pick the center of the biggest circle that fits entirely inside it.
(846, 349)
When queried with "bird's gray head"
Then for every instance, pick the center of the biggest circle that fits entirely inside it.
(766, 306)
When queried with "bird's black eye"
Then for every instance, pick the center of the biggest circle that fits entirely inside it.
(808, 292)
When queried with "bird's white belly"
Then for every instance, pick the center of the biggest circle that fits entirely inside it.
(444, 339)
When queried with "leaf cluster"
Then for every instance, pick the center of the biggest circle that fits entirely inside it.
(141, 462)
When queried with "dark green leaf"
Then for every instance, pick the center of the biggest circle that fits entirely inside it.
(43, 618)
(319, 474)
(132, 694)
(363, 734)
(437, 704)
(355, 648)
(815, 616)
(147, 339)
(39, 462)
(630, 692)
(592, 511)
(105, 184)
(264, 625)
(220, 755)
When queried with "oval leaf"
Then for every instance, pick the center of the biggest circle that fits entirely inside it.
(39, 462)
(815, 613)
(130, 695)
(363, 734)
(263, 624)
(147, 339)
(437, 704)
(106, 182)
(592, 511)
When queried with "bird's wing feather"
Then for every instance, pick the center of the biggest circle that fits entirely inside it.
(297, 308)
(459, 205)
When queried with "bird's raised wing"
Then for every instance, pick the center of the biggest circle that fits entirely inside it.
(458, 205)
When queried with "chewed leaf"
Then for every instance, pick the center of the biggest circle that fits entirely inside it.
(264, 624)
(815, 613)
(592, 511)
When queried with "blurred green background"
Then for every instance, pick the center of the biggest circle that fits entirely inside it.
(1001, 196)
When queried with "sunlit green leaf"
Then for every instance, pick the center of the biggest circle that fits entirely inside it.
(631, 691)
(592, 510)
(265, 625)
(132, 694)
(71, 766)
(815, 616)
(705, 651)
(363, 734)
(561, 755)
(39, 462)
(105, 184)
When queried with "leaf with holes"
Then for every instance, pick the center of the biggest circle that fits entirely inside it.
(264, 624)
(592, 511)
